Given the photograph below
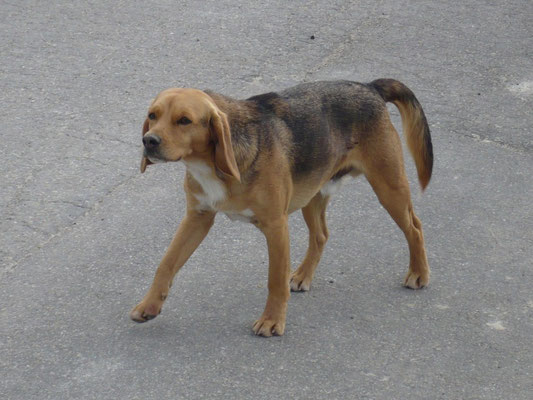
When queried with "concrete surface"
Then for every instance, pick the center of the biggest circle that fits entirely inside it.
(81, 231)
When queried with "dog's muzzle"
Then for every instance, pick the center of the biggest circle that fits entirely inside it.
(151, 144)
(151, 141)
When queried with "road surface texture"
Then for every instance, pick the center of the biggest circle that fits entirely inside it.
(82, 231)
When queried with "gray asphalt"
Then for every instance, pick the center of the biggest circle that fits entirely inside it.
(81, 231)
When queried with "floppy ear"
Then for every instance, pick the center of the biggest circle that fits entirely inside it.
(145, 161)
(224, 156)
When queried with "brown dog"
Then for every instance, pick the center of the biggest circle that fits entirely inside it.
(262, 158)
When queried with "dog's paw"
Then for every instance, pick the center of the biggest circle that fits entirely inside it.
(267, 327)
(299, 282)
(416, 280)
(145, 311)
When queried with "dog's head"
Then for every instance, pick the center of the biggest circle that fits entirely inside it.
(186, 123)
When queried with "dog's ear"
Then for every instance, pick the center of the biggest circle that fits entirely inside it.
(221, 135)
(145, 161)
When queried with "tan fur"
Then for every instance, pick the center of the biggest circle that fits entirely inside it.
(256, 181)
(414, 132)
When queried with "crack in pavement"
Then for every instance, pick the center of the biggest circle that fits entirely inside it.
(63, 229)
(522, 149)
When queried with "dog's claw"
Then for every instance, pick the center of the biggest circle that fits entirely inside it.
(416, 280)
(137, 317)
(139, 314)
(268, 327)
(140, 318)
(298, 284)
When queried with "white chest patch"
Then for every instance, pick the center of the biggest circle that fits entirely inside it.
(243, 216)
(333, 186)
(214, 190)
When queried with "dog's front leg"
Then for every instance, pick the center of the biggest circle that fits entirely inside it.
(189, 235)
(272, 322)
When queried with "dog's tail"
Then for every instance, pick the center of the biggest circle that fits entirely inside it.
(415, 126)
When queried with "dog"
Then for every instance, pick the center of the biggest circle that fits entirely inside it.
(260, 159)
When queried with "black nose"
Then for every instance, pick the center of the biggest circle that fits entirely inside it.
(151, 141)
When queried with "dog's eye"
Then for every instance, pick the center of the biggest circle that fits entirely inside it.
(151, 116)
(184, 121)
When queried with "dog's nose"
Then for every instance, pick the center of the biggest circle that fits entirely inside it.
(151, 141)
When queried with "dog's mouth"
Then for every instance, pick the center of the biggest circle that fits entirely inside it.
(154, 159)
(157, 158)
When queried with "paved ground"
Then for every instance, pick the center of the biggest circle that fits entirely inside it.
(81, 231)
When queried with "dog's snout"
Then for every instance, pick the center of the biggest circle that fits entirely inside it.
(151, 141)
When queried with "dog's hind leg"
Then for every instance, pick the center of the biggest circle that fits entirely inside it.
(384, 169)
(315, 217)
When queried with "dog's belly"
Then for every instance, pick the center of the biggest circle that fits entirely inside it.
(302, 195)
(333, 186)
(305, 191)
(246, 215)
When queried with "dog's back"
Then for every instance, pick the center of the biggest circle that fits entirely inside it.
(325, 119)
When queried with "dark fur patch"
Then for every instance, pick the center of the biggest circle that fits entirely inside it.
(318, 111)
(266, 101)
(311, 141)
(428, 145)
(391, 90)
(306, 122)
(341, 173)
